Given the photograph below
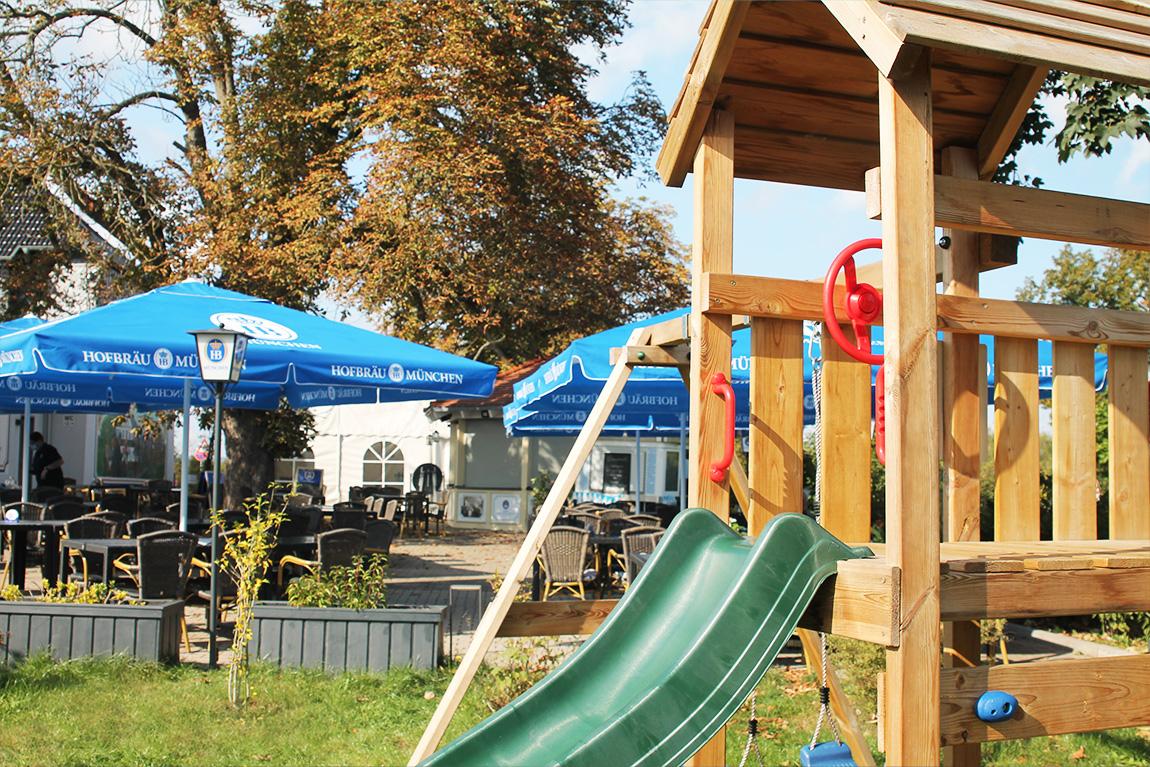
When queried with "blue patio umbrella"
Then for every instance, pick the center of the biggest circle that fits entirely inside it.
(138, 350)
(313, 360)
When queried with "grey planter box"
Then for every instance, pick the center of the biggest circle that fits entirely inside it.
(148, 632)
(338, 639)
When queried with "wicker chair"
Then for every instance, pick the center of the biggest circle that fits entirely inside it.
(335, 548)
(564, 559)
(390, 507)
(648, 520)
(226, 596)
(115, 517)
(65, 508)
(26, 510)
(380, 534)
(587, 521)
(606, 515)
(90, 526)
(164, 562)
(298, 500)
(145, 525)
(636, 541)
(348, 517)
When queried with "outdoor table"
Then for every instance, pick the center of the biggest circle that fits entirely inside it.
(108, 548)
(20, 529)
(287, 542)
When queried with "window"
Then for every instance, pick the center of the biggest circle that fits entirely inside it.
(671, 484)
(286, 467)
(383, 466)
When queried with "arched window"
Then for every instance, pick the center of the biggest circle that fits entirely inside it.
(383, 466)
(286, 467)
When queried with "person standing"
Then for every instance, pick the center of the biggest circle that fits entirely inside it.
(46, 463)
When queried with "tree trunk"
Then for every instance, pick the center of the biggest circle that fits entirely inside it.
(249, 466)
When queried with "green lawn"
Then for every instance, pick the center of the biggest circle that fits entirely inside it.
(123, 713)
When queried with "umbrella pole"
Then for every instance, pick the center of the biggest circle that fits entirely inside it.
(26, 457)
(186, 454)
(213, 605)
(682, 462)
(638, 472)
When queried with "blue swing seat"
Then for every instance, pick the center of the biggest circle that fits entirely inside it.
(829, 754)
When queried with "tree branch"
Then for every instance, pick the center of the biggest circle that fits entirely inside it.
(47, 20)
(115, 109)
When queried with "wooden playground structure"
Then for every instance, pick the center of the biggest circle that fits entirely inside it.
(914, 102)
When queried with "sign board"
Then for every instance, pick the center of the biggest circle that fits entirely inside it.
(309, 477)
(616, 472)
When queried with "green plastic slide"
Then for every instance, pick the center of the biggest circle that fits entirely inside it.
(673, 661)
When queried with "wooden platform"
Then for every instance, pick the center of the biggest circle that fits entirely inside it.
(1000, 557)
(978, 580)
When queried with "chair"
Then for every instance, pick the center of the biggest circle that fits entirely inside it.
(638, 543)
(649, 520)
(145, 525)
(563, 558)
(89, 526)
(232, 519)
(65, 508)
(298, 500)
(335, 548)
(159, 493)
(109, 501)
(587, 521)
(390, 507)
(45, 494)
(115, 517)
(414, 511)
(380, 534)
(294, 525)
(164, 562)
(348, 518)
(26, 510)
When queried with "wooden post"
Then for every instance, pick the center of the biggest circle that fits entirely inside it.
(493, 617)
(961, 439)
(846, 443)
(1074, 458)
(776, 457)
(1129, 449)
(912, 495)
(1016, 483)
(711, 335)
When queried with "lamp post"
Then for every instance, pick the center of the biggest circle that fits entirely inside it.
(221, 356)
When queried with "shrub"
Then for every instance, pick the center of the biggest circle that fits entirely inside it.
(73, 593)
(359, 587)
(246, 557)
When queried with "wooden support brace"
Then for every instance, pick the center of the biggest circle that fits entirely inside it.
(652, 356)
(488, 627)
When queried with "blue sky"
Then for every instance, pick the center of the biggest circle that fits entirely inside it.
(794, 232)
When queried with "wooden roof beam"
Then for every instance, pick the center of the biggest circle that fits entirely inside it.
(887, 49)
(1020, 211)
(1007, 116)
(694, 108)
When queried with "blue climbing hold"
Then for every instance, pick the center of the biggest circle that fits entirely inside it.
(829, 754)
(995, 706)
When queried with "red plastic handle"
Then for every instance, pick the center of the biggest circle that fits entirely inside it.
(880, 415)
(863, 304)
(721, 386)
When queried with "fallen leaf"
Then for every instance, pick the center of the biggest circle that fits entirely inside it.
(1079, 754)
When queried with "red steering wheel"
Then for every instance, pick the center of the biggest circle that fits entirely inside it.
(863, 307)
(863, 303)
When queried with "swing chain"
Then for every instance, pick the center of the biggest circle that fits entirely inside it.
(752, 736)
